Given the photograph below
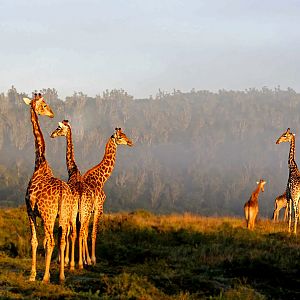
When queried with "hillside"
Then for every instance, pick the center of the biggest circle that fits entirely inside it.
(147, 256)
(194, 151)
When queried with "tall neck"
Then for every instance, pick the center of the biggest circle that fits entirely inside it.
(71, 165)
(109, 159)
(255, 194)
(39, 139)
(292, 162)
(97, 176)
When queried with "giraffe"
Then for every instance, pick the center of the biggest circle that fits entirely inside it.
(251, 206)
(98, 175)
(83, 195)
(46, 196)
(280, 202)
(293, 185)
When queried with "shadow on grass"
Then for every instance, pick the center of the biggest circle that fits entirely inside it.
(202, 264)
(164, 262)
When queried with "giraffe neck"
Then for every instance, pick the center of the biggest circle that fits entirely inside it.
(254, 197)
(39, 139)
(292, 163)
(71, 165)
(109, 159)
(101, 172)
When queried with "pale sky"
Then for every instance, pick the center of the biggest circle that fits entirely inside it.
(141, 46)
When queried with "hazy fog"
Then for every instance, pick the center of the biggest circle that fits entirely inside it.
(194, 151)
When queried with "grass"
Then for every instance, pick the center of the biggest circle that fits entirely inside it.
(146, 256)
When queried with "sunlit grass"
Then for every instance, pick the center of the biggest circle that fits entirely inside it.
(146, 256)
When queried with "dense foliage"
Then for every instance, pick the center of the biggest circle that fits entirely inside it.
(197, 151)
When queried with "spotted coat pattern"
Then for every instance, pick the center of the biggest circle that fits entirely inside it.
(46, 196)
(84, 196)
(293, 184)
(98, 175)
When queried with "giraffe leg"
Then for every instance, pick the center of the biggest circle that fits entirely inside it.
(247, 215)
(249, 221)
(97, 216)
(34, 244)
(296, 216)
(81, 234)
(83, 251)
(286, 211)
(64, 230)
(290, 215)
(88, 259)
(254, 219)
(67, 250)
(83, 237)
(275, 214)
(73, 239)
(49, 249)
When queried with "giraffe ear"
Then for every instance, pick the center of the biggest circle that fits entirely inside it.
(294, 134)
(60, 124)
(257, 182)
(27, 100)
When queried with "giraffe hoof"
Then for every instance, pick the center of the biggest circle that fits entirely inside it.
(46, 280)
(32, 278)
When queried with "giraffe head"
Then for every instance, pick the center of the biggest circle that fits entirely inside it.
(285, 137)
(62, 129)
(262, 183)
(121, 138)
(39, 105)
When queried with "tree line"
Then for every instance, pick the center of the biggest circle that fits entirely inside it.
(196, 151)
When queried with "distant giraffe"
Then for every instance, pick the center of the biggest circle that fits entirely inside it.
(293, 185)
(46, 196)
(82, 193)
(98, 175)
(280, 202)
(251, 206)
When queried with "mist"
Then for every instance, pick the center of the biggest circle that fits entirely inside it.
(196, 151)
